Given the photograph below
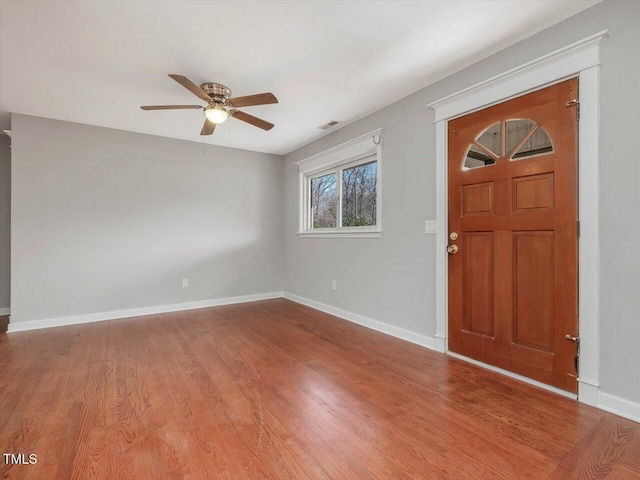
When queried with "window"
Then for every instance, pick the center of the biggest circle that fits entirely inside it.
(360, 195)
(344, 199)
(340, 190)
(516, 139)
(324, 201)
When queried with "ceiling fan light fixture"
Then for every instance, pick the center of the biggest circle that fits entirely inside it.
(218, 98)
(216, 113)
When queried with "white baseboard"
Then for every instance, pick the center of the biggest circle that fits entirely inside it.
(5, 311)
(619, 406)
(588, 391)
(422, 340)
(441, 343)
(17, 326)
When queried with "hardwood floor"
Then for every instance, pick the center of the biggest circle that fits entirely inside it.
(276, 390)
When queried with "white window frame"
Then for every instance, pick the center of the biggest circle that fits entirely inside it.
(364, 149)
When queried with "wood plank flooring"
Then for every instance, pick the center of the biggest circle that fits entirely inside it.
(276, 390)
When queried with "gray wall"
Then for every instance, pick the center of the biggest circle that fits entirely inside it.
(5, 220)
(392, 279)
(105, 220)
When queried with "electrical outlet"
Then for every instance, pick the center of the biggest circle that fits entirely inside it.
(430, 227)
(334, 285)
(185, 283)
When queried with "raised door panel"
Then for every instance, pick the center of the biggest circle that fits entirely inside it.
(477, 200)
(532, 194)
(478, 274)
(533, 287)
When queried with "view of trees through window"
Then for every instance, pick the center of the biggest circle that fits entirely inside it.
(323, 201)
(359, 195)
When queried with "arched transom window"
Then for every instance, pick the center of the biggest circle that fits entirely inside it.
(516, 139)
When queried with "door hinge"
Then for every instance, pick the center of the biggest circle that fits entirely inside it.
(575, 103)
(578, 228)
(576, 358)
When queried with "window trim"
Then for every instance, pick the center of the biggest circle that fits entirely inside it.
(358, 151)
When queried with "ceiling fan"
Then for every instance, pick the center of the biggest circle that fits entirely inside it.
(219, 104)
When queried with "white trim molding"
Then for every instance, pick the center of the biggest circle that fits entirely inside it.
(589, 241)
(580, 59)
(619, 406)
(401, 333)
(557, 65)
(344, 233)
(364, 145)
(588, 391)
(442, 237)
(5, 311)
(135, 312)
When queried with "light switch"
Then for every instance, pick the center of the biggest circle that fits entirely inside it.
(430, 227)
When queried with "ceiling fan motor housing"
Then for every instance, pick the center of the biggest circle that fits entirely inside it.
(220, 93)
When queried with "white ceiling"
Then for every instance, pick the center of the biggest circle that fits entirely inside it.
(96, 62)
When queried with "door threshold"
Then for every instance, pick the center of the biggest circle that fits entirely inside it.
(516, 376)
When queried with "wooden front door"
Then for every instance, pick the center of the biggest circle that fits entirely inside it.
(513, 193)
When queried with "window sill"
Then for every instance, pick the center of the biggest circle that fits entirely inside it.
(341, 234)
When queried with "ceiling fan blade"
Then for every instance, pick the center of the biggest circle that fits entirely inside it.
(192, 87)
(170, 107)
(251, 100)
(255, 121)
(208, 127)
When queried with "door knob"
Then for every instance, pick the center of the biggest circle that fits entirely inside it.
(452, 249)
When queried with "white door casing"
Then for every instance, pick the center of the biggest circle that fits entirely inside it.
(580, 59)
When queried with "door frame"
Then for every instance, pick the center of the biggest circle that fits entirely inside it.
(580, 59)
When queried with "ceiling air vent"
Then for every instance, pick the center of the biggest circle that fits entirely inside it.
(327, 126)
